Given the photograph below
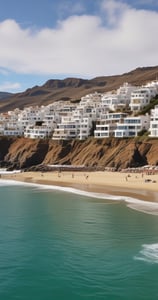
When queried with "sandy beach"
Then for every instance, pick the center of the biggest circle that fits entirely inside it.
(136, 185)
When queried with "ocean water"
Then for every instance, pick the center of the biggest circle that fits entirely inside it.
(57, 244)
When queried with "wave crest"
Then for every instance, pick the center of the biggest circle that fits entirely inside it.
(149, 253)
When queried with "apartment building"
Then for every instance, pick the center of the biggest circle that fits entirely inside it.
(38, 132)
(153, 86)
(131, 126)
(154, 122)
(124, 93)
(107, 123)
(29, 116)
(65, 130)
(110, 101)
(93, 99)
(140, 98)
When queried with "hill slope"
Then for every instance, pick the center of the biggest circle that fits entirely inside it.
(5, 95)
(74, 88)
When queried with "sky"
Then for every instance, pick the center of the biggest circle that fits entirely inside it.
(56, 39)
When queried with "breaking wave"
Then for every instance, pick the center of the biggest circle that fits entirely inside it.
(149, 253)
(148, 207)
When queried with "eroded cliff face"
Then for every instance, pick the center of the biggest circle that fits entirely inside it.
(111, 152)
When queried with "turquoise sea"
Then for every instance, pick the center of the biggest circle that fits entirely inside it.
(56, 244)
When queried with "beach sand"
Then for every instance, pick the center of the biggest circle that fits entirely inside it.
(135, 185)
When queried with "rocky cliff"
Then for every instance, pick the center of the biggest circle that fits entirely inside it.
(119, 153)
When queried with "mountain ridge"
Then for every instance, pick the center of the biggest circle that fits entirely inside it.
(5, 95)
(73, 89)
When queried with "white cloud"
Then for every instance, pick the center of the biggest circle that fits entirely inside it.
(10, 86)
(83, 45)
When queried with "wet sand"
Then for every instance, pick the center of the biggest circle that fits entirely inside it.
(134, 185)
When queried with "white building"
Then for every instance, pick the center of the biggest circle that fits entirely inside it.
(29, 116)
(64, 109)
(9, 125)
(104, 130)
(124, 93)
(1, 128)
(85, 127)
(38, 132)
(140, 98)
(65, 130)
(131, 126)
(153, 86)
(13, 131)
(154, 122)
(93, 99)
(70, 128)
(113, 101)
(110, 101)
(107, 123)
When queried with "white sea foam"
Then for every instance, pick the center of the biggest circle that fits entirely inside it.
(4, 182)
(4, 171)
(133, 203)
(145, 207)
(149, 253)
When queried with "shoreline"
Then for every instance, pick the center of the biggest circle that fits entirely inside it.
(133, 185)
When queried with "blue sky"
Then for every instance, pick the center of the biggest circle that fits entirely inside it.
(44, 39)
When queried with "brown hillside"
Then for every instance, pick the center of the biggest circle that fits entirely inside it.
(74, 88)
